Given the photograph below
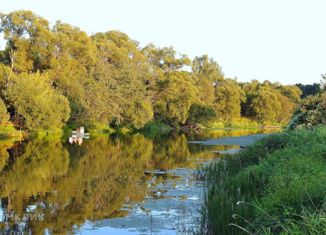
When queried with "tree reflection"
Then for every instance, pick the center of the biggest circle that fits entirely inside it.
(47, 184)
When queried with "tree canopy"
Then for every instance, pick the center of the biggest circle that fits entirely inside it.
(51, 76)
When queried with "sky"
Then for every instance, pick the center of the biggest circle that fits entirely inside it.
(276, 40)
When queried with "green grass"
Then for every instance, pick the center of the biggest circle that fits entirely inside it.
(276, 186)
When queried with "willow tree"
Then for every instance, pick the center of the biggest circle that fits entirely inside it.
(29, 41)
(127, 78)
(266, 106)
(166, 58)
(207, 73)
(32, 98)
(177, 92)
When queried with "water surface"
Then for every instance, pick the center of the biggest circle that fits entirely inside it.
(108, 185)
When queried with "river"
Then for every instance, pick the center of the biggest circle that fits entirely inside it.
(107, 185)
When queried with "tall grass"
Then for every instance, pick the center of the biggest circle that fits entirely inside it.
(274, 186)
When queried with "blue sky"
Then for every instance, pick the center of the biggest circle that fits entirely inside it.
(278, 40)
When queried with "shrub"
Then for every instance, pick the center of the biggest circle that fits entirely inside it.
(312, 112)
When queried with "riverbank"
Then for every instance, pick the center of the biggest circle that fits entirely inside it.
(274, 186)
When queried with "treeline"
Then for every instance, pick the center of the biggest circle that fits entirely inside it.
(51, 76)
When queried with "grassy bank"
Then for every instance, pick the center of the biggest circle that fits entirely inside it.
(276, 186)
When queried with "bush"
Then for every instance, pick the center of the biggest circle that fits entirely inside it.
(312, 112)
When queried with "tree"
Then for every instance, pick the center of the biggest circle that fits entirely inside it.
(228, 98)
(292, 92)
(200, 114)
(32, 97)
(29, 41)
(176, 94)
(265, 106)
(128, 78)
(310, 113)
(4, 116)
(166, 58)
(207, 73)
(287, 109)
(308, 90)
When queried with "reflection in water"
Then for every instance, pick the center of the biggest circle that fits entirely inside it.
(78, 136)
(48, 186)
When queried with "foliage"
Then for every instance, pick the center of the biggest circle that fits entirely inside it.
(109, 80)
(200, 114)
(269, 103)
(275, 186)
(308, 89)
(4, 116)
(311, 112)
(228, 98)
(176, 94)
(152, 129)
(37, 102)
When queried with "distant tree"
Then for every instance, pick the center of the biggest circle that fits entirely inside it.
(207, 73)
(176, 95)
(266, 106)
(228, 99)
(200, 114)
(293, 92)
(166, 58)
(287, 108)
(308, 90)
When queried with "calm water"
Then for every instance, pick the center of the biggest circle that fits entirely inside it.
(108, 185)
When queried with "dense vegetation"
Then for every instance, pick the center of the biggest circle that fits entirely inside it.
(276, 186)
(53, 76)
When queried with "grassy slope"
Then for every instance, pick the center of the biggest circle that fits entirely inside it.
(276, 186)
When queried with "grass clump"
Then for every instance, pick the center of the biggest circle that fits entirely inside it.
(276, 186)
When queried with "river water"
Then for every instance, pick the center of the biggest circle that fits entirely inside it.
(108, 185)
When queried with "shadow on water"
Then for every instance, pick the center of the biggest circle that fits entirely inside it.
(126, 184)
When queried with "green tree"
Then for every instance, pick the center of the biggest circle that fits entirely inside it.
(309, 89)
(4, 116)
(128, 78)
(228, 98)
(265, 106)
(176, 94)
(310, 113)
(32, 98)
(200, 114)
(29, 41)
(207, 73)
(166, 58)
